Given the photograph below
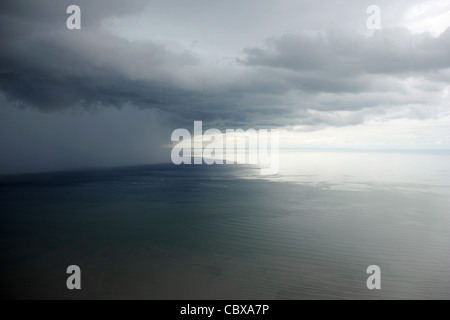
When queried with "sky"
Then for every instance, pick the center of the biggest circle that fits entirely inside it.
(112, 92)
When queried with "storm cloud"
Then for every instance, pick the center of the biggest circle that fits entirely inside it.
(247, 64)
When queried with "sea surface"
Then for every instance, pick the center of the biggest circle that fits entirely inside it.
(225, 232)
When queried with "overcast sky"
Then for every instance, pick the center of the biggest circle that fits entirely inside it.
(112, 92)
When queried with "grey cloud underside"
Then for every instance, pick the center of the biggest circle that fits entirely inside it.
(392, 51)
(292, 79)
(60, 74)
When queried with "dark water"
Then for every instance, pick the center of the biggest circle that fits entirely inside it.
(222, 232)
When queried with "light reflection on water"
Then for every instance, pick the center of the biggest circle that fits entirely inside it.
(363, 169)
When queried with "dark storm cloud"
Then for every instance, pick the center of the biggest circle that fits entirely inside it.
(40, 13)
(45, 66)
(89, 69)
(63, 69)
(111, 93)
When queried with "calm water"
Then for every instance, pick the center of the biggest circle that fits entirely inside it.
(198, 232)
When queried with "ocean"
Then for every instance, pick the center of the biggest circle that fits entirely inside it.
(225, 232)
